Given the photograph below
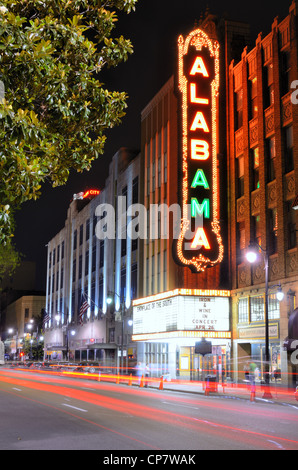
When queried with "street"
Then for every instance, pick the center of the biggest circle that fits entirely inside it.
(44, 411)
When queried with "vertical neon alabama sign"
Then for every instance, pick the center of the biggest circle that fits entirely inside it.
(199, 244)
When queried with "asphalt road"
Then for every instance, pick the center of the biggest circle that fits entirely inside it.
(41, 411)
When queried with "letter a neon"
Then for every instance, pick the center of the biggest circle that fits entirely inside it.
(200, 180)
(199, 67)
(200, 239)
(199, 122)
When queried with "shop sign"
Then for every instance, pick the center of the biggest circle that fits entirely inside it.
(199, 244)
(183, 313)
(258, 332)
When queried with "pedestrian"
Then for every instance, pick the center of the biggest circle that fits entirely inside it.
(147, 374)
(139, 372)
(246, 372)
(252, 371)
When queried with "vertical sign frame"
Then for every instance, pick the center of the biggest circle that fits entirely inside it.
(199, 244)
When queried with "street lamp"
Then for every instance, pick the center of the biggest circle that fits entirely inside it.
(11, 331)
(122, 304)
(251, 256)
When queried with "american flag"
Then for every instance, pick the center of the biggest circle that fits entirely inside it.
(46, 318)
(83, 308)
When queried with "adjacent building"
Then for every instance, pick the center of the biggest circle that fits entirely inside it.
(263, 164)
(92, 260)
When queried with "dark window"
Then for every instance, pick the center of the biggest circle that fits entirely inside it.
(288, 141)
(93, 258)
(240, 242)
(86, 263)
(272, 231)
(74, 267)
(75, 237)
(291, 225)
(101, 253)
(240, 179)
(270, 154)
(285, 72)
(123, 284)
(253, 98)
(87, 229)
(134, 281)
(239, 109)
(268, 86)
(255, 163)
(100, 293)
(80, 266)
(81, 233)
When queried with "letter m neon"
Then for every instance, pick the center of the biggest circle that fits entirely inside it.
(201, 209)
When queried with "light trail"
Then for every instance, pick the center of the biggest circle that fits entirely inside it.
(161, 416)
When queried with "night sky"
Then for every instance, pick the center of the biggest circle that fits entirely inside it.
(153, 29)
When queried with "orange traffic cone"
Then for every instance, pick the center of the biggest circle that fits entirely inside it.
(118, 379)
(130, 380)
(253, 393)
(161, 383)
(142, 381)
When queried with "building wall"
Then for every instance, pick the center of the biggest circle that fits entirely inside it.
(263, 165)
(83, 258)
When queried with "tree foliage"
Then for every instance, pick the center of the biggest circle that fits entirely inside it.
(55, 109)
(9, 260)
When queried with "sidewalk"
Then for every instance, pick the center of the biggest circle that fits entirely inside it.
(279, 393)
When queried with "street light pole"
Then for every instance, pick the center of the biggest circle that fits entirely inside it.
(122, 305)
(251, 256)
(267, 393)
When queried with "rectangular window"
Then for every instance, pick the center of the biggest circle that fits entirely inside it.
(270, 154)
(272, 231)
(74, 267)
(255, 164)
(134, 281)
(101, 253)
(75, 238)
(285, 72)
(80, 266)
(239, 109)
(257, 308)
(288, 142)
(86, 263)
(273, 307)
(291, 225)
(93, 268)
(241, 241)
(240, 186)
(256, 227)
(253, 98)
(61, 278)
(81, 233)
(100, 293)
(243, 310)
(268, 86)
(87, 229)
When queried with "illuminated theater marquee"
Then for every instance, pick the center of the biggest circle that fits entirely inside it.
(199, 244)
